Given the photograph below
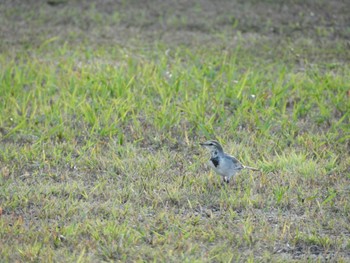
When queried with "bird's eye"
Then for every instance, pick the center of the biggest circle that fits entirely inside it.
(211, 144)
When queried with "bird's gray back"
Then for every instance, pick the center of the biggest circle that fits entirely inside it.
(229, 166)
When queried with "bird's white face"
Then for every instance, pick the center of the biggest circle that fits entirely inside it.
(209, 145)
(212, 146)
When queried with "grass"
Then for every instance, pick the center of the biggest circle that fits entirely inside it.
(100, 156)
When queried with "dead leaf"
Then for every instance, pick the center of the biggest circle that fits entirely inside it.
(5, 171)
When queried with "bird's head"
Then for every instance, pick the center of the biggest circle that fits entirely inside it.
(212, 146)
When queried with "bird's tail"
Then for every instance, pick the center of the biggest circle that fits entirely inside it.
(251, 168)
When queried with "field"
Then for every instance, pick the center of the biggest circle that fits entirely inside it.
(104, 103)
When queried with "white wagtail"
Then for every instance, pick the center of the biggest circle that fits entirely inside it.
(222, 163)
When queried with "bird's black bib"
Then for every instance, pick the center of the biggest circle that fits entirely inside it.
(215, 161)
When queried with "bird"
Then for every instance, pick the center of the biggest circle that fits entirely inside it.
(222, 163)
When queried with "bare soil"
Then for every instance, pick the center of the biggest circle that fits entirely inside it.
(322, 24)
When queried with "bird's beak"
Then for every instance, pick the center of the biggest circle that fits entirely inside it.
(202, 144)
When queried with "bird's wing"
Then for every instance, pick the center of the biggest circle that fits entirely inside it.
(236, 163)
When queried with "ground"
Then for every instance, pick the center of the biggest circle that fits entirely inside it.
(104, 104)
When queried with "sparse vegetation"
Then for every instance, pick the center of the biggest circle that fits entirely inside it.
(100, 125)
